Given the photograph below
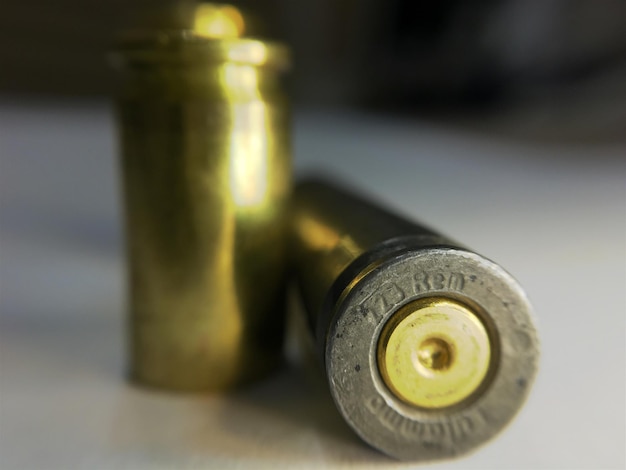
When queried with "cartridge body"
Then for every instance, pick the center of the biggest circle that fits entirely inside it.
(206, 170)
(429, 348)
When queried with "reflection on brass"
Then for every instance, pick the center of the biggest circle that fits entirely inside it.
(207, 174)
(429, 349)
(434, 353)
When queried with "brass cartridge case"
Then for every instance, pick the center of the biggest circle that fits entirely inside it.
(206, 166)
(429, 349)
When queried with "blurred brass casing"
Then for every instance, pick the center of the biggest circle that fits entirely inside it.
(429, 349)
(206, 169)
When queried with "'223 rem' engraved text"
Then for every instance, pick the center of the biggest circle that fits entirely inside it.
(391, 293)
(428, 433)
(425, 282)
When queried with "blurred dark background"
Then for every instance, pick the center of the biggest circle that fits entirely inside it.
(567, 57)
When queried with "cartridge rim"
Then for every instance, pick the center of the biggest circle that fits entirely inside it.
(376, 293)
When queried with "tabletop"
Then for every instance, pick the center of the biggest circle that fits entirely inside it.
(553, 213)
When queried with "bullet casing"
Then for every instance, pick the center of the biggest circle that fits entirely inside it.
(206, 176)
(429, 348)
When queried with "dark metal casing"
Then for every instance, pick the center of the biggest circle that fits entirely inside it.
(358, 266)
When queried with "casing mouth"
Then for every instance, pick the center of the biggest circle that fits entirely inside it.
(194, 34)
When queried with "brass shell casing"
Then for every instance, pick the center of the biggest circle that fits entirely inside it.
(206, 169)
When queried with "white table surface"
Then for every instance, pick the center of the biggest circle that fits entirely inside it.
(552, 214)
